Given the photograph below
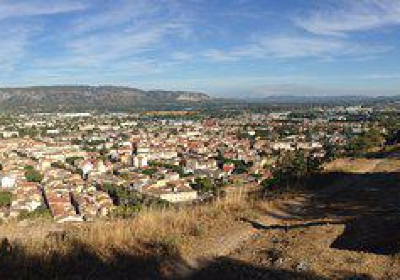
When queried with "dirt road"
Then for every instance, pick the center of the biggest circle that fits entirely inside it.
(348, 230)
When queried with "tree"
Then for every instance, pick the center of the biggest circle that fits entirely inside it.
(330, 151)
(149, 171)
(58, 165)
(33, 175)
(292, 170)
(41, 212)
(5, 199)
(391, 123)
(28, 167)
(71, 160)
(364, 142)
(104, 151)
(204, 185)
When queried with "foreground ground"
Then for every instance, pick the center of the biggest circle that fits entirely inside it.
(348, 228)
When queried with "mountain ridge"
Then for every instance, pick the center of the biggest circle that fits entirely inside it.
(91, 97)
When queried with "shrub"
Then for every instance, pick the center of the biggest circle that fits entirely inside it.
(33, 175)
(5, 199)
(40, 212)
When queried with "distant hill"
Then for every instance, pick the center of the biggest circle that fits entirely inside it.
(51, 98)
(109, 98)
(324, 99)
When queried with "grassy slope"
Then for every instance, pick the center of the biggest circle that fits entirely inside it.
(155, 244)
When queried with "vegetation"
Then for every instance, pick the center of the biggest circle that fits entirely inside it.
(5, 198)
(59, 165)
(330, 151)
(129, 201)
(391, 124)
(33, 175)
(71, 160)
(240, 166)
(117, 249)
(291, 171)
(204, 185)
(363, 143)
(149, 171)
(126, 211)
(40, 212)
(176, 168)
(87, 98)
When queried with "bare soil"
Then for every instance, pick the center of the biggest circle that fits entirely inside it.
(350, 230)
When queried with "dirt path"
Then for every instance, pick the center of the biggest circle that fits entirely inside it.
(351, 225)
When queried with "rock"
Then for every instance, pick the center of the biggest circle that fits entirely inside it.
(280, 261)
(302, 266)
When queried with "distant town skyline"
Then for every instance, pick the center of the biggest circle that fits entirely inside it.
(237, 48)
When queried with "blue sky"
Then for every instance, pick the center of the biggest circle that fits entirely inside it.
(229, 48)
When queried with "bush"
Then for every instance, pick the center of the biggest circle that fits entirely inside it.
(150, 171)
(33, 175)
(292, 170)
(361, 144)
(40, 212)
(125, 211)
(5, 199)
(71, 160)
(58, 165)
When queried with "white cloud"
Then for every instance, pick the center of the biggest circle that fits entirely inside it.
(113, 45)
(117, 38)
(290, 47)
(381, 76)
(223, 55)
(318, 90)
(116, 14)
(13, 44)
(353, 16)
(11, 9)
(295, 47)
(182, 56)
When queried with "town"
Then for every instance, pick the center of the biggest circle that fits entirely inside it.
(84, 166)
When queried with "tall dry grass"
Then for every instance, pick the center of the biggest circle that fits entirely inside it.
(153, 233)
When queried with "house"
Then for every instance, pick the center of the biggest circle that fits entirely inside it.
(58, 199)
(44, 164)
(92, 203)
(26, 197)
(8, 182)
(10, 134)
(228, 168)
(174, 192)
(140, 161)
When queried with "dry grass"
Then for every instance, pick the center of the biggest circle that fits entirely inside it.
(363, 165)
(349, 165)
(156, 234)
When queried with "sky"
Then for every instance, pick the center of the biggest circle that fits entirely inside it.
(226, 48)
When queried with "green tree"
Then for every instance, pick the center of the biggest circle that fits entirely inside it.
(330, 151)
(367, 140)
(149, 171)
(71, 160)
(5, 199)
(33, 175)
(204, 185)
(292, 170)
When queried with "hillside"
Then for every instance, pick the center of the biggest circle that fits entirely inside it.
(53, 98)
(346, 229)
